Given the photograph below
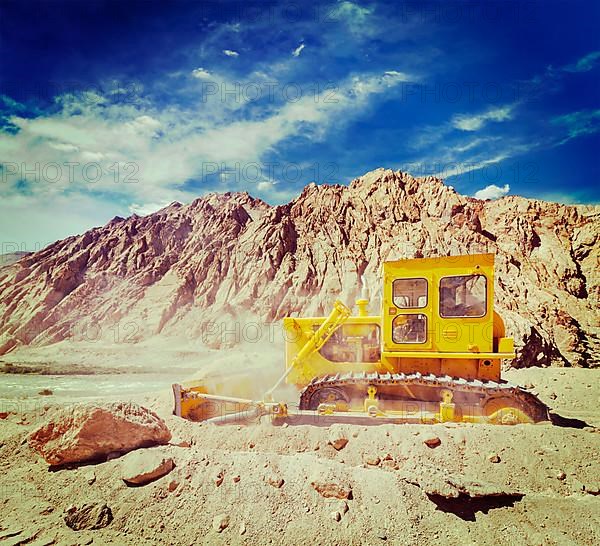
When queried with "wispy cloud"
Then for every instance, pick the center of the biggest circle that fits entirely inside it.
(583, 122)
(466, 122)
(298, 50)
(166, 148)
(584, 64)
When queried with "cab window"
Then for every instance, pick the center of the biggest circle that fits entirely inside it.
(409, 328)
(353, 343)
(409, 293)
(463, 296)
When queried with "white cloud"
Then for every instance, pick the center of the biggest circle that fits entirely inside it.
(63, 146)
(231, 53)
(201, 73)
(148, 155)
(265, 185)
(355, 16)
(466, 122)
(492, 192)
(298, 50)
(146, 208)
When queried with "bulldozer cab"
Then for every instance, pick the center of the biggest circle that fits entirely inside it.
(441, 304)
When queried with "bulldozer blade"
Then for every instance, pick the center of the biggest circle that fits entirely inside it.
(195, 405)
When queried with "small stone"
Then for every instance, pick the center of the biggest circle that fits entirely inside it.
(251, 445)
(275, 481)
(355, 434)
(330, 489)
(236, 479)
(494, 458)
(220, 522)
(242, 528)
(336, 516)
(561, 476)
(219, 478)
(173, 485)
(90, 477)
(552, 396)
(337, 437)
(529, 386)
(45, 392)
(432, 441)
(285, 425)
(372, 460)
(382, 535)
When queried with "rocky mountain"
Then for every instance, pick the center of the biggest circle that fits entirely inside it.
(12, 257)
(223, 267)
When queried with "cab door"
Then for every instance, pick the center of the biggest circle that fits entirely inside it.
(407, 306)
(464, 312)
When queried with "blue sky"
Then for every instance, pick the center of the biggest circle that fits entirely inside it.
(109, 108)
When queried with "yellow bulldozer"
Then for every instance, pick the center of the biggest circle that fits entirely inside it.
(432, 355)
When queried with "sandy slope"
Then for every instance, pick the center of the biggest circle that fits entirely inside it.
(386, 506)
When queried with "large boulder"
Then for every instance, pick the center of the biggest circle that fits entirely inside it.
(90, 432)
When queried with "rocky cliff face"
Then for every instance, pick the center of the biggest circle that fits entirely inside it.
(205, 270)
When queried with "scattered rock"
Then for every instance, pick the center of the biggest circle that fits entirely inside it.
(274, 480)
(220, 522)
(331, 489)
(242, 528)
(494, 458)
(561, 476)
(89, 477)
(88, 516)
(45, 392)
(145, 466)
(90, 432)
(432, 441)
(372, 460)
(219, 478)
(552, 396)
(337, 437)
(236, 479)
(173, 484)
(336, 516)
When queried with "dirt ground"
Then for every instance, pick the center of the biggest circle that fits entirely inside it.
(258, 479)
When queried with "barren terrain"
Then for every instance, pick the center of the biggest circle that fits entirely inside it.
(539, 483)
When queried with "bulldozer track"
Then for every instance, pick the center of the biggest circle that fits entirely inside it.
(486, 390)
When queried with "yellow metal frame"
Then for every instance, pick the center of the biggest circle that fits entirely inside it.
(468, 347)
(463, 347)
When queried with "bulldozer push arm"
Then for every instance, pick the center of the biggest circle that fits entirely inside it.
(338, 316)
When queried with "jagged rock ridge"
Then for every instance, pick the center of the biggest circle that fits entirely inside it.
(230, 257)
